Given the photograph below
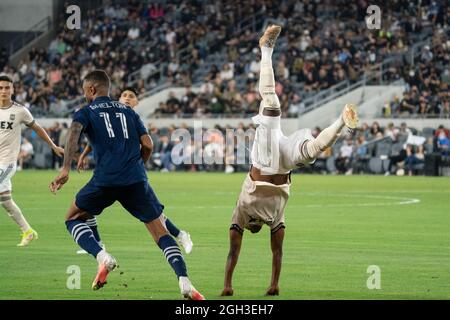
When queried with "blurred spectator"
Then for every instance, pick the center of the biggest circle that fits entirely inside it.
(25, 154)
(443, 143)
(414, 158)
(55, 133)
(374, 130)
(344, 159)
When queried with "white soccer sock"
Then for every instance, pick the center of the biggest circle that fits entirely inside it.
(266, 56)
(267, 81)
(326, 138)
(101, 256)
(14, 212)
(338, 125)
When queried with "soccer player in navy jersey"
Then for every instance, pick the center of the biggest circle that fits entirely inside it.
(129, 98)
(121, 145)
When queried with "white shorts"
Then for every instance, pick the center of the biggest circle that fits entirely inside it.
(273, 152)
(260, 203)
(7, 171)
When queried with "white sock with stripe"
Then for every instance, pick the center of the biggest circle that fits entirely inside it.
(14, 212)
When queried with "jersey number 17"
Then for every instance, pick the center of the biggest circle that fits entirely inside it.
(109, 128)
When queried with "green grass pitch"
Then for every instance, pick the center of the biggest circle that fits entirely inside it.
(337, 226)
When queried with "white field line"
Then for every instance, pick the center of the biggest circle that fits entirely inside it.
(394, 201)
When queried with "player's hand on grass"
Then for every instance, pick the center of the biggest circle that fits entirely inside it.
(273, 291)
(59, 151)
(227, 292)
(59, 181)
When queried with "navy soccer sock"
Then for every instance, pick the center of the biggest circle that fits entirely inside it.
(173, 230)
(83, 235)
(92, 223)
(173, 255)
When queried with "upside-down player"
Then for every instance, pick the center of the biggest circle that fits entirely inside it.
(12, 116)
(121, 145)
(129, 98)
(265, 190)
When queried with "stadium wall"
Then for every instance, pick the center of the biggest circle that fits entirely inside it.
(148, 105)
(22, 15)
(370, 100)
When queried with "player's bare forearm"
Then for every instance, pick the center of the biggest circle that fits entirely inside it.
(277, 256)
(43, 134)
(146, 147)
(232, 259)
(83, 155)
(86, 151)
(73, 136)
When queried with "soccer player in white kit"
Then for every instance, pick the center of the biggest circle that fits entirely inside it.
(12, 116)
(265, 190)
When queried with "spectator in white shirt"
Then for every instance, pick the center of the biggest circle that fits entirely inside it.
(26, 152)
(345, 156)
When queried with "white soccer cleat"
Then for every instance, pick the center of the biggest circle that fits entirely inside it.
(185, 240)
(106, 264)
(188, 291)
(350, 116)
(270, 36)
(27, 237)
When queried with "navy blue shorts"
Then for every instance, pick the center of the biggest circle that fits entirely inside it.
(138, 199)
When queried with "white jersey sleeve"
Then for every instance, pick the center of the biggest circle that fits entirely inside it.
(26, 117)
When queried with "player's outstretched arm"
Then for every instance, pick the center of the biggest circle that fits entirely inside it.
(44, 136)
(73, 137)
(81, 164)
(276, 242)
(146, 147)
(233, 255)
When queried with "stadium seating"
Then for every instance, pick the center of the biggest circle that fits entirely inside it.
(321, 45)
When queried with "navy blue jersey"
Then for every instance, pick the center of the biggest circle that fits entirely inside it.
(114, 132)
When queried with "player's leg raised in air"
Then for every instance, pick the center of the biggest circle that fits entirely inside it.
(301, 148)
(327, 137)
(265, 153)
